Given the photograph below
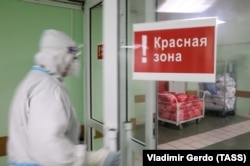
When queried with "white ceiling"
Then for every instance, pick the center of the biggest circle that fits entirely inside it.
(236, 14)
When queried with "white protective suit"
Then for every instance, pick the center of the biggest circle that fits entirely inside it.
(43, 127)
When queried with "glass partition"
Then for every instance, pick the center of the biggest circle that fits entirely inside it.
(233, 44)
(96, 73)
(136, 88)
(136, 91)
(96, 63)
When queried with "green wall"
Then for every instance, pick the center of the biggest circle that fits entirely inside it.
(21, 24)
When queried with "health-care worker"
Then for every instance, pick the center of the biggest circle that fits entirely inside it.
(43, 127)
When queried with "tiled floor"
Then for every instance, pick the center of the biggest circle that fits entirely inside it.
(170, 132)
(213, 132)
(208, 138)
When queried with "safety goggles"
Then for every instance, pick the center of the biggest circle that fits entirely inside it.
(75, 51)
(72, 50)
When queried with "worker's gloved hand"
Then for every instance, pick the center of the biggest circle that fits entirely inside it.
(112, 159)
(102, 157)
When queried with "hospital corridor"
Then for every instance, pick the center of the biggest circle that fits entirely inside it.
(212, 133)
(124, 82)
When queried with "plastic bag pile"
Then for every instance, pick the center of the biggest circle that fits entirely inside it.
(222, 93)
(179, 107)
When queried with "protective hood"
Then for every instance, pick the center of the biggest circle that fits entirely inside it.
(56, 51)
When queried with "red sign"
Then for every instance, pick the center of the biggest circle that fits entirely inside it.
(181, 50)
(188, 50)
(100, 51)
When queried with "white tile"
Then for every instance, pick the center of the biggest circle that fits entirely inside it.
(227, 133)
(166, 146)
(194, 138)
(210, 137)
(222, 136)
(186, 147)
(211, 133)
(206, 142)
(186, 140)
(226, 130)
(197, 145)
(203, 135)
(232, 135)
(176, 143)
(214, 139)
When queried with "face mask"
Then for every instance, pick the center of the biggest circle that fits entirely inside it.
(74, 69)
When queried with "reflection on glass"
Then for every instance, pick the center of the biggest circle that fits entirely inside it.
(97, 139)
(233, 44)
(96, 62)
(136, 89)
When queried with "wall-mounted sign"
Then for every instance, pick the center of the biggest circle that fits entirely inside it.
(180, 50)
(99, 51)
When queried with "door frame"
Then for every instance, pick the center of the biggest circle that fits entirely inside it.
(87, 90)
(117, 130)
(128, 144)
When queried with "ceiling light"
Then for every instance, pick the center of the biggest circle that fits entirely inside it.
(220, 21)
(185, 6)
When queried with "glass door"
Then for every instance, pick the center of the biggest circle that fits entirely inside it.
(120, 113)
(138, 106)
(93, 67)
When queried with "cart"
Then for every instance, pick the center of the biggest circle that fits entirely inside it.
(172, 110)
(221, 95)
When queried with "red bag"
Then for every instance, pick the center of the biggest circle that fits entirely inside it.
(181, 97)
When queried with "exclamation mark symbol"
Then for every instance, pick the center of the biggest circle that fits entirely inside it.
(144, 48)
